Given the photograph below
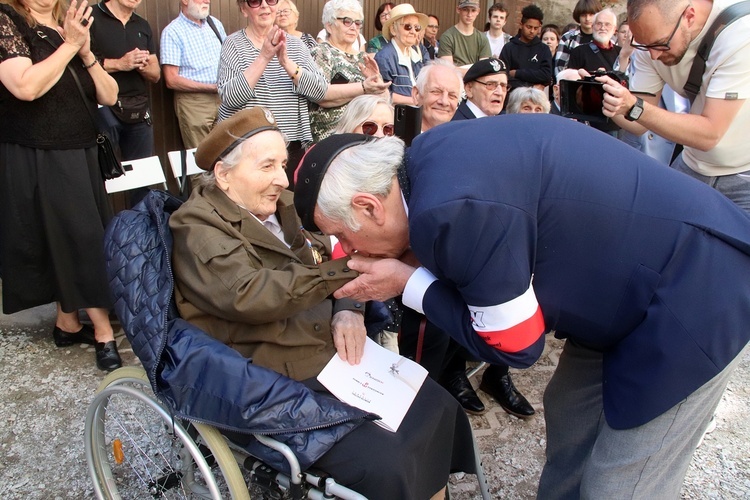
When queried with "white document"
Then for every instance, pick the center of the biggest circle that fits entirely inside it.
(383, 383)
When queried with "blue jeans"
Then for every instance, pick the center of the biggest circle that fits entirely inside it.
(736, 187)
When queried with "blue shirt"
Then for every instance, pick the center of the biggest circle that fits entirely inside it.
(193, 48)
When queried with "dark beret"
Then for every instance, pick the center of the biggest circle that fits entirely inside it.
(230, 133)
(312, 169)
(483, 67)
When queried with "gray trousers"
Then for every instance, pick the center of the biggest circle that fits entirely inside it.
(588, 459)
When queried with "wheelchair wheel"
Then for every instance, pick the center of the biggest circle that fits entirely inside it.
(136, 449)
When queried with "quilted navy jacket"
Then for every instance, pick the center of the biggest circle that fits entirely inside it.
(197, 377)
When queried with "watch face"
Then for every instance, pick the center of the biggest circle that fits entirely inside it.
(635, 111)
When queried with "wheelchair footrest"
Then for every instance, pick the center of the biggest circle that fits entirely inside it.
(265, 478)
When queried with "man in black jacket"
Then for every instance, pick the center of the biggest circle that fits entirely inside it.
(528, 63)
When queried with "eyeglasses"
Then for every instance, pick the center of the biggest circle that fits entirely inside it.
(433, 26)
(371, 128)
(348, 21)
(492, 86)
(283, 12)
(409, 27)
(385, 16)
(254, 4)
(608, 26)
(659, 47)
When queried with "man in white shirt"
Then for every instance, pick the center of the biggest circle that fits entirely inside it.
(498, 15)
(190, 49)
(714, 132)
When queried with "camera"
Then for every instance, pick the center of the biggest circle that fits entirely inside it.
(583, 99)
(407, 122)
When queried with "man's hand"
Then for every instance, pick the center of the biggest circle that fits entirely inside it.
(617, 99)
(349, 335)
(379, 279)
(136, 59)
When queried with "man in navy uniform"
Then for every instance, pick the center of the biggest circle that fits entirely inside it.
(499, 234)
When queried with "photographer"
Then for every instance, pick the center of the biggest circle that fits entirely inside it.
(666, 37)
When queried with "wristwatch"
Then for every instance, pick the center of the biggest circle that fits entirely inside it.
(636, 111)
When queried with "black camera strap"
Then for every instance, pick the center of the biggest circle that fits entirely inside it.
(212, 24)
(724, 19)
(595, 49)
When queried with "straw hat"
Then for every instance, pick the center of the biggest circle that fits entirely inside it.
(399, 11)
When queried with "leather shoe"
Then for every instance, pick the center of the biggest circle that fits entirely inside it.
(107, 357)
(505, 393)
(460, 388)
(83, 336)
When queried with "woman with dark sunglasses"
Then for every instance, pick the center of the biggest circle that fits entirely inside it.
(401, 60)
(352, 73)
(367, 114)
(261, 66)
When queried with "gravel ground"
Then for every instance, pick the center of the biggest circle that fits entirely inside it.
(46, 391)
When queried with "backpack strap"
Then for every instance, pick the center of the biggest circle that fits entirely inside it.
(725, 18)
(211, 23)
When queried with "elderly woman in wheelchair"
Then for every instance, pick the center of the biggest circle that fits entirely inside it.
(248, 275)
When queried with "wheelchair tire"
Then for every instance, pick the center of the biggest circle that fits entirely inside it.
(136, 449)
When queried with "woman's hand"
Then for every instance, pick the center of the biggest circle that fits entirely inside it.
(349, 335)
(369, 67)
(375, 85)
(274, 44)
(77, 24)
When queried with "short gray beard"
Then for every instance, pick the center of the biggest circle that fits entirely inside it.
(602, 40)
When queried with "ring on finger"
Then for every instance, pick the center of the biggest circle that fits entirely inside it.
(85, 21)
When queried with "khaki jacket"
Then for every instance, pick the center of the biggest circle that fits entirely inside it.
(235, 280)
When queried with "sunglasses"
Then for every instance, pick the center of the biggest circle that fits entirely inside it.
(348, 21)
(371, 128)
(254, 4)
(659, 47)
(409, 27)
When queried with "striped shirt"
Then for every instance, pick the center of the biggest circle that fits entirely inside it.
(275, 89)
(193, 48)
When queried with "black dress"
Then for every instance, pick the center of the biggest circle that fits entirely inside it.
(53, 206)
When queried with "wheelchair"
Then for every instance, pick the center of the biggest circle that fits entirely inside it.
(135, 448)
(141, 444)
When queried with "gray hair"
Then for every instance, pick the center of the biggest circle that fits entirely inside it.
(424, 74)
(233, 158)
(367, 168)
(332, 8)
(358, 110)
(607, 12)
(523, 94)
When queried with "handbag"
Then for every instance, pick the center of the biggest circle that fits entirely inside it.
(109, 160)
(132, 109)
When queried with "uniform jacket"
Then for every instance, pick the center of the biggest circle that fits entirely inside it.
(195, 376)
(463, 112)
(392, 71)
(627, 257)
(532, 62)
(220, 246)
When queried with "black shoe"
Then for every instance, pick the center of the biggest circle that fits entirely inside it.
(505, 393)
(107, 357)
(460, 388)
(83, 336)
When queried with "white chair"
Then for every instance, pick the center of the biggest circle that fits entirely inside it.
(175, 161)
(138, 173)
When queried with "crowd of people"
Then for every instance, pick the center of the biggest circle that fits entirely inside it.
(69, 72)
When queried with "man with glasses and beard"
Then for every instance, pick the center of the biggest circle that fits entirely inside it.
(666, 35)
(190, 48)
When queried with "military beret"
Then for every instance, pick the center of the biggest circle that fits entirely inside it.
(483, 67)
(312, 169)
(230, 133)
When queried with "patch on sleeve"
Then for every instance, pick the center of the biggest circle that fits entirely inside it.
(731, 96)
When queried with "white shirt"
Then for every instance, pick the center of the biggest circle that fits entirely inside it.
(727, 76)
